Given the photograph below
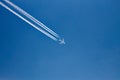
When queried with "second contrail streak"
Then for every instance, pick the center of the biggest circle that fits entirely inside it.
(32, 18)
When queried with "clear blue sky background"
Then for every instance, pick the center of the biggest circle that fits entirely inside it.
(91, 29)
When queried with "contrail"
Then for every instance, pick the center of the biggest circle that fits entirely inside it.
(39, 25)
(39, 29)
(32, 18)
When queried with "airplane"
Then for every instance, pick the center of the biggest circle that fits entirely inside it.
(62, 41)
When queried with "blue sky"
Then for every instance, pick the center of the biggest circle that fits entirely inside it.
(91, 29)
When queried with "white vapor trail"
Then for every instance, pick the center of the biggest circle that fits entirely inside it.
(32, 18)
(33, 25)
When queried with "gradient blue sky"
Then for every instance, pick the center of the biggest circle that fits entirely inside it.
(91, 29)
